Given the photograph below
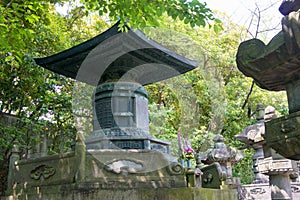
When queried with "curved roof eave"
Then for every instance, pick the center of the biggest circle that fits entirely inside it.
(68, 62)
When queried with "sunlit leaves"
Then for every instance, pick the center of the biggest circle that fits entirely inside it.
(32, 29)
(140, 13)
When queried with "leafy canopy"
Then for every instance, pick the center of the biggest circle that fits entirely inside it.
(140, 13)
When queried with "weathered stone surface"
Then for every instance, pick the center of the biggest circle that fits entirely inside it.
(104, 169)
(274, 65)
(86, 192)
(263, 191)
(137, 169)
(283, 135)
(107, 175)
(288, 6)
(212, 176)
(62, 164)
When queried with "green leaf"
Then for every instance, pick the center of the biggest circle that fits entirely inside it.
(186, 20)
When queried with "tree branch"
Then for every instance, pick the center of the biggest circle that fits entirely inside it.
(248, 95)
(9, 4)
(258, 20)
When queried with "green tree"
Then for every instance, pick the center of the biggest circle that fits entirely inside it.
(38, 98)
(215, 94)
(147, 12)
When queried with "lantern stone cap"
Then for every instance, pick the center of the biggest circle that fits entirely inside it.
(274, 65)
(288, 6)
(115, 55)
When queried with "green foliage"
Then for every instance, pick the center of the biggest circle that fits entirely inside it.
(243, 169)
(198, 104)
(141, 13)
(210, 99)
(33, 29)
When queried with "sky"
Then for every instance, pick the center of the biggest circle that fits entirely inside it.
(242, 8)
(240, 12)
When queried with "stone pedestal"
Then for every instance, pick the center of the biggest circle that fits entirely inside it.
(86, 192)
(14, 158)
(280, 186)
(103, 169)
(278, 170)
(258, 176)
(263, 191)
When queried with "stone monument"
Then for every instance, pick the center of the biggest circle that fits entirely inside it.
(223, 156)
(275, 67)
(267, 164)
(119, 159)
(119, 64)
(253, 136)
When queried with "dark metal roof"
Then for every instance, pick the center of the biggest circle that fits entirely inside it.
(115, 55)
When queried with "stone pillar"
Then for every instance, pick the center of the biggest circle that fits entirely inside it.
(253, 136)
(80, 155)
(258, 177)
(44, 149)
(12, 164)
(278, 168)
(280, 186)
(80, 151)
(37, 148)
(293, 95)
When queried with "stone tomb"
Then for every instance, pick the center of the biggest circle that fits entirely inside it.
(119, 159)
(119, 64)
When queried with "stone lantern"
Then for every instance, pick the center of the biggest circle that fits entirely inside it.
(223, 155)
(253, 136)
(276, 67)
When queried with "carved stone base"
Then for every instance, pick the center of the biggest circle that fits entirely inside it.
(103, 169)
(263, 191)
(127, 142)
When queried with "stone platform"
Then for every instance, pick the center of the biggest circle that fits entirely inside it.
(71, 192)
(108, 169)
(104, 174)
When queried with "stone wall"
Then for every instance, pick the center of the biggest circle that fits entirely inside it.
(84, 192)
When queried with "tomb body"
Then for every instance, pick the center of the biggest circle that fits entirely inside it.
(119, 64)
